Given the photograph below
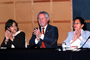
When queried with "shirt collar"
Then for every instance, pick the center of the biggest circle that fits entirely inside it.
(45, 26)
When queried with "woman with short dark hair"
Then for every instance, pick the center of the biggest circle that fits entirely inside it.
(13, 37)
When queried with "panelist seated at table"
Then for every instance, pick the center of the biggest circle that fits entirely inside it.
(77, 38)
(46, 35)
(13, 37)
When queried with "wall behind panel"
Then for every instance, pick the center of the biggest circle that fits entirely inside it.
(81, 8)
(24, 12)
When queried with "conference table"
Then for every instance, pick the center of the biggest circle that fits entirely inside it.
(43, 54)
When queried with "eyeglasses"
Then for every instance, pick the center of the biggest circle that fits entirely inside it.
(76, 23)
(41, 18)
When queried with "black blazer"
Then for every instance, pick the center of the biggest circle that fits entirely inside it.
(18, 42)
(50, 38)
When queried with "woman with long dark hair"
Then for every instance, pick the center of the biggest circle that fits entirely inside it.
(78, 37)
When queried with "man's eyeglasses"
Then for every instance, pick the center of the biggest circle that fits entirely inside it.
(41, 18)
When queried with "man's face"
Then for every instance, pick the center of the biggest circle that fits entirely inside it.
(43, 21)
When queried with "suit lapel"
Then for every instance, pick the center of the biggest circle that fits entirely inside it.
(83, 35)
(72, 35)
(40, 29)
(48, 26)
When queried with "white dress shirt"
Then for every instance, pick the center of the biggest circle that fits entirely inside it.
(42, 36)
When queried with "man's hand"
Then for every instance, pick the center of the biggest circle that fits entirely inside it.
(37, 32)
(38, 38)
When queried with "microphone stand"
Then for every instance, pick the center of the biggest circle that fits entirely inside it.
(84, 44)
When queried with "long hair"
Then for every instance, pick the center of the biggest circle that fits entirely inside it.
(82, 21)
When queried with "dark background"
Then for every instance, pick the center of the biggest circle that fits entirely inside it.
(81, 8)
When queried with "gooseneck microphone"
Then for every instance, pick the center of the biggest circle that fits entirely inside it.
(85, 42)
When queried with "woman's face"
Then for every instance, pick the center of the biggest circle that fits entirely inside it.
(77, 25)
(13, 28)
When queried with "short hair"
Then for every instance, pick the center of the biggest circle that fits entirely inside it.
(43, 12)
(82, 21)
(9, 24)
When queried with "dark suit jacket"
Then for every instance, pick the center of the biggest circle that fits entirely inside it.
(18, 42)
(50, 37)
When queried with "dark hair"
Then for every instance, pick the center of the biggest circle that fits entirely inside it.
(82, 21)
(9, 24)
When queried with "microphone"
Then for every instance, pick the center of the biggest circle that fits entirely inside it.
(64, 46)
(85, 42)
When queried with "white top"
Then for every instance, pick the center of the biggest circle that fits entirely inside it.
(76, 42)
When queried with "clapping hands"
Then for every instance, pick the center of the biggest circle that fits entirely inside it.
(77, 34)
(37, 32)
(8, 35)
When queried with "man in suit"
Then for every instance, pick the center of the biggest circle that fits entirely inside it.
(45, 36)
